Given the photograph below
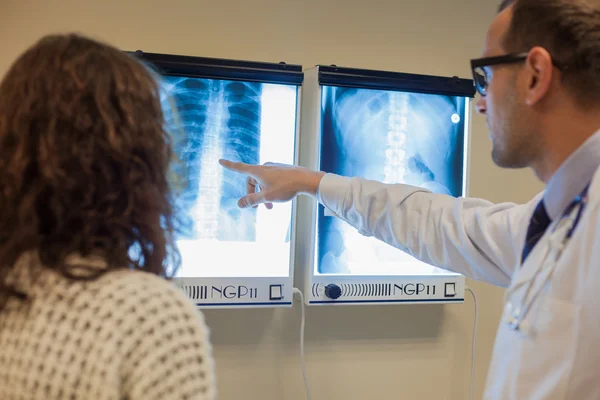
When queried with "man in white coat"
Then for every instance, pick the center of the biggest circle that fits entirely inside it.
(539, 86)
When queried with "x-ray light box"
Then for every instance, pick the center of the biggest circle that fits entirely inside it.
(390, 127)
(241, 111)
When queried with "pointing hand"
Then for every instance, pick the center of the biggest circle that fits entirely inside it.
(273, 183)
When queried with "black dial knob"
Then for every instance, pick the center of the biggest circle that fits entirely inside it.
(333, 291)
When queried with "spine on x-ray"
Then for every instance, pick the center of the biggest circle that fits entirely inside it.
(206, 209)
(396, 137)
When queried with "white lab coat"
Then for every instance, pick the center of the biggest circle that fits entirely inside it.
(556, 352)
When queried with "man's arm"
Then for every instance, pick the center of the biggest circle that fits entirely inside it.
(473, 237)
(470, 236)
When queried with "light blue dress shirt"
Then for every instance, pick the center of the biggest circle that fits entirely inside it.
(572, 176)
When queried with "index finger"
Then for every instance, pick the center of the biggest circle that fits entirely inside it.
(238, 167)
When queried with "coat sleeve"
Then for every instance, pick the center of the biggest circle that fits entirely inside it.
(470, 236)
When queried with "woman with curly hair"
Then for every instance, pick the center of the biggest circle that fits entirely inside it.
(87, 234)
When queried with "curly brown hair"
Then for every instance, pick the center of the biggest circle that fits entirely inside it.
(84, 161)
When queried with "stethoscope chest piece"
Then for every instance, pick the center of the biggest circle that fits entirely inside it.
(513, 321)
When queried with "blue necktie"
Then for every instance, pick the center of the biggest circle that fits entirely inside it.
(537, 226)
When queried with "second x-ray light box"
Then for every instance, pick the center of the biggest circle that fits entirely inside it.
(390, 127)
(241, 111)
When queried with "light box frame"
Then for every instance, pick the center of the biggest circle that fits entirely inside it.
(236, 292)
(368, 289)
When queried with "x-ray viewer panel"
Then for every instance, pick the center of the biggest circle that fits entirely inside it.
(392, 137)
(253, 122)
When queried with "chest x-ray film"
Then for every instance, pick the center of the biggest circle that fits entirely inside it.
(250, 122)
(392, 137)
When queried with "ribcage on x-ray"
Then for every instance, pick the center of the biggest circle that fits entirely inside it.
(214, 119)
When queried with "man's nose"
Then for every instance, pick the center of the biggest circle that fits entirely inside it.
(481, 106)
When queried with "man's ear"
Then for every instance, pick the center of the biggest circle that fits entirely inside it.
(539, 70)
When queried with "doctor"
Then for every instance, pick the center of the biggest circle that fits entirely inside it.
(539, 86)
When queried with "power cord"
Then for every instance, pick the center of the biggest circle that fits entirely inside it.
(473, 344)
(302, 325)
(298, 292)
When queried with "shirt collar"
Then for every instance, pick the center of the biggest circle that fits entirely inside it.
(572, 176)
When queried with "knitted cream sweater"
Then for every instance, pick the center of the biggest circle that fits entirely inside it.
(127, 335)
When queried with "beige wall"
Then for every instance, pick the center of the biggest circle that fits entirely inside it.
(353, 353)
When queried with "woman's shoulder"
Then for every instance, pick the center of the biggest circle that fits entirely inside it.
(138, 283)
(139, 293)
(133, 323)
(162, 333)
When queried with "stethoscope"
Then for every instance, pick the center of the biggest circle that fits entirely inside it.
(517, 315)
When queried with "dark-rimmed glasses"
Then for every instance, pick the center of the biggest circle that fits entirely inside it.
(479, 74)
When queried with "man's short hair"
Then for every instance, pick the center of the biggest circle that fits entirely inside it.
(569, 30)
